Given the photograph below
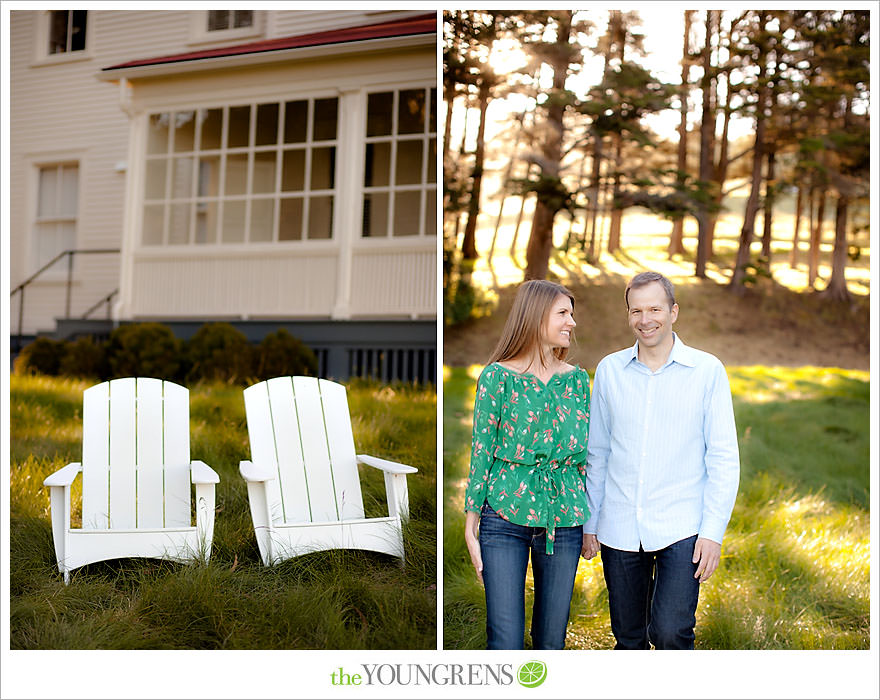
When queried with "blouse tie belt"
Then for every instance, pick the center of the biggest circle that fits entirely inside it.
(548, 471)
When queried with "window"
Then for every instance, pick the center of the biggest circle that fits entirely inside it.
(219, 20)
(246, 173)
(212, 26)
(55, 224)
(67, 31)
(400, 164)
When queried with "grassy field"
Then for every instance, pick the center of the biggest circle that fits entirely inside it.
(796, 558)
(325, 600)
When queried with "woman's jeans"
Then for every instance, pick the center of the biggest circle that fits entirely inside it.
(652, 596)
(505, 548)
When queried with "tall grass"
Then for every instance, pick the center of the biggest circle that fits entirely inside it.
(796, 557)
(324, 600)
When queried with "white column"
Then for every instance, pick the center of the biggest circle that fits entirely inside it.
(133, 211)
(349, 192)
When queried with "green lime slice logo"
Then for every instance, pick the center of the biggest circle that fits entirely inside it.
(531, 674)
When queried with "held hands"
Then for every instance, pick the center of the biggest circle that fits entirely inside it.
(707, 555)
(472, 539)
(590, 547)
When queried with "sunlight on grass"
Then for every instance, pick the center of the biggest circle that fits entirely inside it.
(337, 600)
(760, 384)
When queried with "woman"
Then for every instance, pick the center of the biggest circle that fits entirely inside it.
(525, 492)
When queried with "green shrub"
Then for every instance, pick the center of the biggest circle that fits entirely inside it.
(42, 356)
(219, 351)
(280, 354)
(144, 350)
(85, 357)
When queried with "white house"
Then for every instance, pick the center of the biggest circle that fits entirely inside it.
(267, 168)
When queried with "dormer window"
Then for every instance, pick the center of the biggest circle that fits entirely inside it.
(67, 31)
(212, 26)
(221, 20)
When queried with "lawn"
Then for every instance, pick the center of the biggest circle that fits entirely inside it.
(796, 558)
(324, 600)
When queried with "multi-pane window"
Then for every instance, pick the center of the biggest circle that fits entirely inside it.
(55, 224)
(219, 20)
(248, 173)
(67, 31)
(400, 173)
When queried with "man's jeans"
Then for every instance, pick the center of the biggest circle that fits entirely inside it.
(505, 549)
(652, 596)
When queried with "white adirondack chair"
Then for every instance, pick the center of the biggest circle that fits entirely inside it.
(303, 482)
(137, 479)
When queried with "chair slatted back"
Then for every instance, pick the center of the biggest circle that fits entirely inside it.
(300, 429)
(136, 455)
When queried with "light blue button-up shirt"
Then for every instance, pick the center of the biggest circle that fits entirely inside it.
(663, 460)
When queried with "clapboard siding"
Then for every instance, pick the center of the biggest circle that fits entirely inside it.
(278, 286)
(311, 21)
(394, 282)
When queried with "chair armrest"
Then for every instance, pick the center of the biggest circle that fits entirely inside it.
(386, 465)
(201, 473)
(254, 472)
(64, 476)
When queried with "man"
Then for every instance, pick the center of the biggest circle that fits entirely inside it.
(662, 473)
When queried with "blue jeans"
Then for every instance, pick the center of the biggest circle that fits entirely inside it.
(652, 596)
(505, 549)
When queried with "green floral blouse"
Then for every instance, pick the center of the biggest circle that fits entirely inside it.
(529, 448)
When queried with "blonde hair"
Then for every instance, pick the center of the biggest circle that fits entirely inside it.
(522, 329)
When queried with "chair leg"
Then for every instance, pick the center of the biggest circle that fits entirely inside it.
(261, 518)
(205, 501)
(59, 505)
(398, 496)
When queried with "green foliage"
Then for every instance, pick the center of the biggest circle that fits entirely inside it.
(219, 352)
(144, 350)
(795, 565)
(85, 357)
(42, 356)
(281, 355)
(326, 600)
(462, 300)
(551, 191)
(755, 270)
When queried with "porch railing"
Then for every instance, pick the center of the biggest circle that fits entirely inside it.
(70, 255)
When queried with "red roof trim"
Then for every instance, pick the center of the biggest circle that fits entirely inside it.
(422, 24)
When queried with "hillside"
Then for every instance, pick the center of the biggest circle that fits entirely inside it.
(772, 325)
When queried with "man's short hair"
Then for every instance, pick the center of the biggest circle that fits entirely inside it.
(643, 278)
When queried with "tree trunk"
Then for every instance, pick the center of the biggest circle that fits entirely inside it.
(541, 237)
(798, 211)
(504, 184)
(540, 242)
(616, 211)
(469, 243)
(837, 289)
(676, 238)
(816, 239)
(580, 180)
(747, 232)
(769, 197)
(707, 133)
(593, 196)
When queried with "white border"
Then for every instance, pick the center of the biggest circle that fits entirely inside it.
(600, 674)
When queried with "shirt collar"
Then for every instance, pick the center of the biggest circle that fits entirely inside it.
(681, 353)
